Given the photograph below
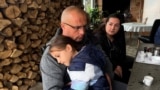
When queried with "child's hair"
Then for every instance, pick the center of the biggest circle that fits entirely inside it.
(61, 41)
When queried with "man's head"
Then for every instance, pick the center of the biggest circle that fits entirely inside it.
(74, 22)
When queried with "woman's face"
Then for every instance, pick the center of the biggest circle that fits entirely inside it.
(63, 56)
(112, 26)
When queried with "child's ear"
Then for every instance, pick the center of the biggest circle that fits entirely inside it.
(69, 47)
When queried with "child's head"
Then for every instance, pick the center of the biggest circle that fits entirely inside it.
(63, 49)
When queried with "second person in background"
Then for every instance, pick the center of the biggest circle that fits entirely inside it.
(112, 40)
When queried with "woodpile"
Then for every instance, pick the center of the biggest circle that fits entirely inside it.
(25, 26)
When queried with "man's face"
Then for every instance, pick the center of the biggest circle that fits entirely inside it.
(74, 27)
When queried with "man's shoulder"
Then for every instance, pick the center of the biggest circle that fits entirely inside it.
(49, 62)
(46, 57)
(89, 37)
(58, 32)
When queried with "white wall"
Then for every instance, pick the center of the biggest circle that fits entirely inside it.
(151, 10)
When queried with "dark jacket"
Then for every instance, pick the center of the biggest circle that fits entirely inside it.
(115, 50)
(157, 37)
(92, 55)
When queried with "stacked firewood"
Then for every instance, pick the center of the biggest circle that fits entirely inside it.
(25, 26)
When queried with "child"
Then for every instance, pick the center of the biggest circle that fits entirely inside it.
(85, 65)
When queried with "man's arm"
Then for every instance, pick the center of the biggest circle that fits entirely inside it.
(108, 69)
(52, 72)
(108, 66)
(157, 37)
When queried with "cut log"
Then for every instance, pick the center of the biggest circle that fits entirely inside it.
(19, 82)
(32, 63)
(22, 39)
(35, 68)
(22, 75)
(46, 1)
(18, 33)
(16, 68)
(8, 32)
(23, 7)
(1, 16)
(35, 56)
(11, 1)
(28, 1)
(27, 44)
(16, 60)
(4, 88)
(27, 69)
(34, 28)
(24, 87)
(38, 22)
(24, 58)
(42, 15)
(32, 13)
(34, 36)
(14, 87)
(10, 44)
(21, 47)
(5, 54)
(1, 84)
(4, 23)
(12, 12)
(30, 82)
(36, 43)
(25, 65)
(7, 76)
(5, 62)
(31, 75)
(33, 5)
(43, 7)
(1, 76)
(18, 22)
(39, 1)
(1, 38)
(16, 53)
(3, 4)
(22, 1)
(13, 79)
(1, 47)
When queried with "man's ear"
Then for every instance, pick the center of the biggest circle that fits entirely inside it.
(69, 47)
(62, 25)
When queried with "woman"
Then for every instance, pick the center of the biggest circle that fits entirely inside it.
(85, 65)
(111, 37)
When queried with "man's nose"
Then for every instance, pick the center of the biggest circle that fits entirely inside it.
(82, 30)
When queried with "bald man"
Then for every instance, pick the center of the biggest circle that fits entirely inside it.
(73, 25)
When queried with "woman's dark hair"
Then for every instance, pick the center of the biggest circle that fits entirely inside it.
(61, 41)
(114, 15)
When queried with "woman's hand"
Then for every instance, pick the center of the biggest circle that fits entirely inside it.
(109, 81)
(118, 71)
